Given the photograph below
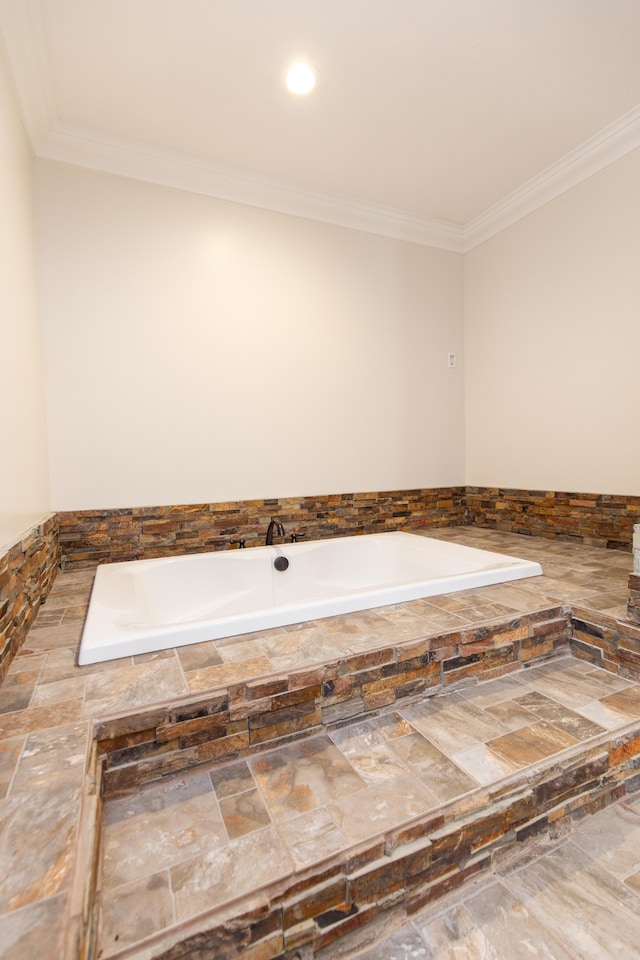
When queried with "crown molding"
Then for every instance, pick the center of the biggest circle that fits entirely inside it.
(607, 146)
(23, 36)
(188, 173)
(184, 172)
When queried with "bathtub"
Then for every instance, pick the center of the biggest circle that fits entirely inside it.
(144, 606)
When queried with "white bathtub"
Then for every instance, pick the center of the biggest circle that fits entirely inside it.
(148, 605)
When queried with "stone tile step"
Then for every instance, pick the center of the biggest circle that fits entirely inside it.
(306, 912)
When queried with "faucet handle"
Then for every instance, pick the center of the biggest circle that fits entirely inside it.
(296, 536)
(241, 543)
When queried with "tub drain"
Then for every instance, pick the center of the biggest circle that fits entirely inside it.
(281, 563)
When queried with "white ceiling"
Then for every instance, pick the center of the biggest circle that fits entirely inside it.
(436, 120)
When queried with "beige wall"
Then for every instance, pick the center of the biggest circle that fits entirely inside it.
(552, 343)
(24, 497)
(199, 350)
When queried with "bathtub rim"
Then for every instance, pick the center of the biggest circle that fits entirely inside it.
(104, 639)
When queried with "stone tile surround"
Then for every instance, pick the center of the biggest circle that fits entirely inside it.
(101, 536)
(150, 716)
(633, 606)
(534, 904)
(383, 813)
(98, 536)
(27, 571)
(591, 518)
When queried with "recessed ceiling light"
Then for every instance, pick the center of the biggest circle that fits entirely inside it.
(301, 78)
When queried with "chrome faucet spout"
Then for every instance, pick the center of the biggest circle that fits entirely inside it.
(274, 527)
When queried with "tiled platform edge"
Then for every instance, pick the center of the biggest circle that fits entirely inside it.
(232, 723)
(595, 519)
(633, 606)
(303, 916)
(392, 876)
(27, 570)
(395, 874)
(606, 642)
(308, 911)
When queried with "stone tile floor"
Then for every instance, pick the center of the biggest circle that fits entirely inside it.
(577, 899)
(45, 687)
(47, 704)
(193, 842)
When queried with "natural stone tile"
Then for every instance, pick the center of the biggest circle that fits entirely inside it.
(153, 839)
(530, 744)
(457, 935)
(58, 691)
(309, 644)
(10, 751)
(568, 686)
(154, 655)
(312, 837)
(381, 806)
(565, 887)
(441, 620)
(493, 692)
(444, 779)
(244, 647)
(511, 931)
(51, 758)
(633, 882)
(51, 638)
(401, 624)
(512, 715)
(403, 944)
(626, 701)
(76, 611)
(39, 718)
(158, 796)
(566, 590)
(610, 682)
(300, 776)
(61, 665)
(349, 638)
(244, 813)
(25, 665)
(612, 840)
(135, 911)
(49, 616)
(232, 779)
(370, 732)
(575, 724)
(226, 872)
(452, 723)
(565, 666)
(482, 764)
(209, 678)
(599, 713)
(135, 686)
(375, 764)
(449, 602)
(37, 930)
(196, 656)
(37, 844)
(17, 690)
(516, 595)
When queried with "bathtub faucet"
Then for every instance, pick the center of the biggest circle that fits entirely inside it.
(279, 529)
